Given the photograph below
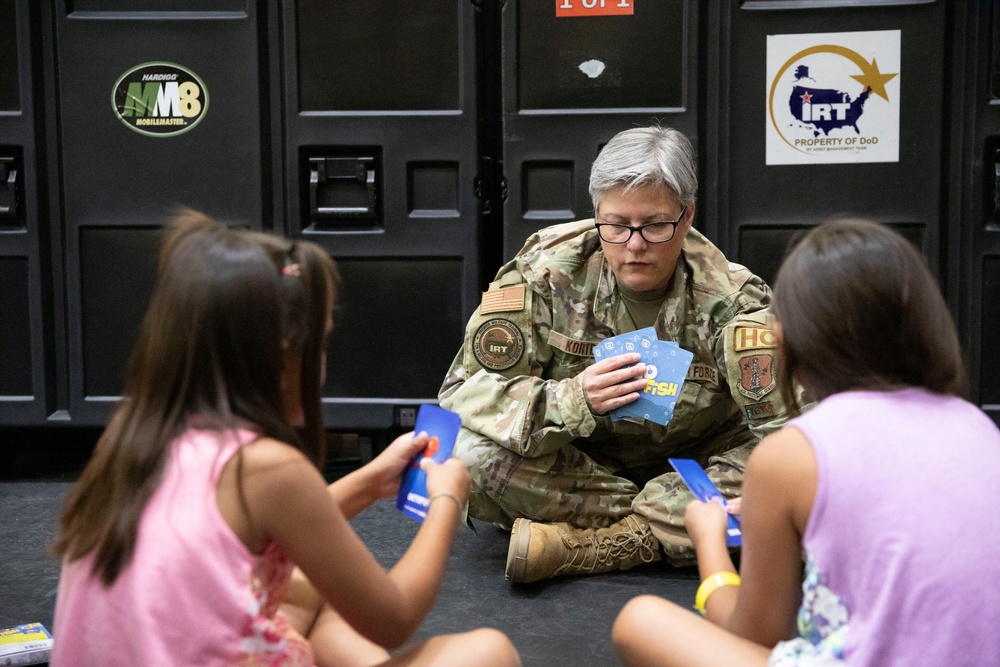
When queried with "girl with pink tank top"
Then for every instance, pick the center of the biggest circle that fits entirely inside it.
(201, 531)
(870, 535)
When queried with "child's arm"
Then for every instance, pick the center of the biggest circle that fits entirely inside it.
(289, 503)
(706, 525)
(380, 478)
(778, 491)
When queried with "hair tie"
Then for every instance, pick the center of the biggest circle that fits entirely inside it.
(291, 270)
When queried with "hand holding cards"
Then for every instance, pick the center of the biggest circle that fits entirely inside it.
(701, 486)
(666, 367)
(442, 428)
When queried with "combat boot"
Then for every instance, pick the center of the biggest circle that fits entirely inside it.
(542, 550)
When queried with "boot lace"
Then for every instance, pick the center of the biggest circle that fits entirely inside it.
(592, 552)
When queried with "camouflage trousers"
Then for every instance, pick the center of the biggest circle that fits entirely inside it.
(570, 485)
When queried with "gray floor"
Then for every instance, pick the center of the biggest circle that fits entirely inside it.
(564, 621)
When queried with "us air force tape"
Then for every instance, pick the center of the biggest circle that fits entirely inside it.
(498, 344)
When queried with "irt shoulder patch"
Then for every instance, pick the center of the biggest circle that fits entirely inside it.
(497, 335)
(498, 344)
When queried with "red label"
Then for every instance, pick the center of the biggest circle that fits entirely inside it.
(565, 8)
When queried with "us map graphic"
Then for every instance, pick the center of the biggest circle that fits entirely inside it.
(830, 99)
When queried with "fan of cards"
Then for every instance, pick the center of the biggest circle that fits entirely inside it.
(666, 368)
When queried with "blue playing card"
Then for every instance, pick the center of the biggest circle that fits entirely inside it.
(606, 348)
(633, 341)
(666, 367)
(442, 427)
(701, 486)
(622, 343)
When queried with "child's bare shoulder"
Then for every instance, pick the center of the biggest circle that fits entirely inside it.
(274, 457)
(278, 478)
(782, 472)
(782, 449)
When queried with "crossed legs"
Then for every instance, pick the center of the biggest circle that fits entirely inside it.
(652, 631)
(335, 643)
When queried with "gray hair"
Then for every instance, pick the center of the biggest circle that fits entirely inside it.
(643, 156)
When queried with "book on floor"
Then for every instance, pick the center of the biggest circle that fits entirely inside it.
(27, 644)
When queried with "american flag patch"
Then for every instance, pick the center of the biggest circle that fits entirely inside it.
(502, 300)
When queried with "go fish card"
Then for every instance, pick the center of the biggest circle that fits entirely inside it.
(666, 367)
(442, 428)
(701, 486)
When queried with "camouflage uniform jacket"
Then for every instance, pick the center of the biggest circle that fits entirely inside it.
(517, 381)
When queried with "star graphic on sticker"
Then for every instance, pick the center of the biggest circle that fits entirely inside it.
(870, 77)
(806, 98)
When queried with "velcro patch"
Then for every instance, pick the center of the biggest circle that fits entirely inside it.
(753, 338)
(502, 300)
(762, 410)
(756, 375)
(498, 344)
(580, 348)
(703, 372)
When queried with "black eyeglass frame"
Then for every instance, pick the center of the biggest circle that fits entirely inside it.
(639, 228)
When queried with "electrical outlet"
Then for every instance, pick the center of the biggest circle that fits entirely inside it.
(406, 417)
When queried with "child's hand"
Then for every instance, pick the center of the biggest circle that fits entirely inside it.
(387, 468)
(734, 506)
(448, 477)
(706, 522)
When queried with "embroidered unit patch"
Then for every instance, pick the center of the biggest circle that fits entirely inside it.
(498, 344)
(756, 375)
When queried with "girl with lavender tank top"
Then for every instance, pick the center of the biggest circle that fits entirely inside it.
(870, 534)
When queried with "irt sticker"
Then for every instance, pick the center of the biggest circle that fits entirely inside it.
(833, 97)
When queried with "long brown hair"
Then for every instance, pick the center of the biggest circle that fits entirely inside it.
(860, 310)
(309, 280)
(209, 350)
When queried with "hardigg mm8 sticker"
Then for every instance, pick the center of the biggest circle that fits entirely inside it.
(498, 344)
(159, 99)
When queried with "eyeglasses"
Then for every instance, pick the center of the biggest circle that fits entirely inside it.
(654, 232)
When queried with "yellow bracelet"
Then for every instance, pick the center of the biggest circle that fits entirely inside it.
(709, 586)
(445, 494)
